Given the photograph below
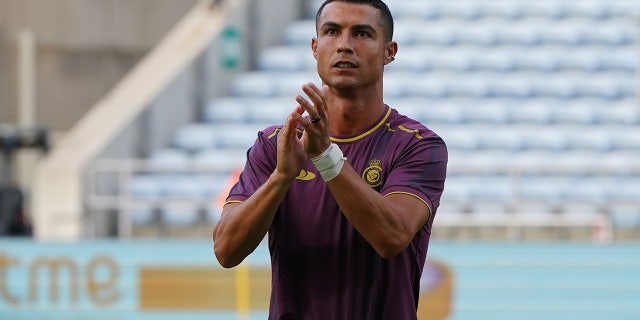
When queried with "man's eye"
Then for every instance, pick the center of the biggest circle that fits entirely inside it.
(362, 34)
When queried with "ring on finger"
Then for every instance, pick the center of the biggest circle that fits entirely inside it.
(316, 119)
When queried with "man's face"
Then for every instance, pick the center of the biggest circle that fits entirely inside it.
(350, 49)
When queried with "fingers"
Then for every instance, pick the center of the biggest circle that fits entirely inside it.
(317, 106)
(290, 125)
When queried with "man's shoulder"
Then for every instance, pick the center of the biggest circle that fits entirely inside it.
(409, 124)
(271, 132)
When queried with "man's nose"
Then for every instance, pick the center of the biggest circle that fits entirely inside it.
(344, 45)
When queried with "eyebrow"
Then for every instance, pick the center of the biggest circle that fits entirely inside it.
(332, 24)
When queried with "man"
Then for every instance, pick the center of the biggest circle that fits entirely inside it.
(348, 194)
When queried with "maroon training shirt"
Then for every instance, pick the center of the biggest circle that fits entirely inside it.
(321, 267)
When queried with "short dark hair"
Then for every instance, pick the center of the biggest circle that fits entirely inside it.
(386, 19)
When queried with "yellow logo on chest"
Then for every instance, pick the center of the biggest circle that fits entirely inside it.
(372, 175)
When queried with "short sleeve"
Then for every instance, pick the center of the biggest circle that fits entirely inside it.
(260, 163)
(420, 170)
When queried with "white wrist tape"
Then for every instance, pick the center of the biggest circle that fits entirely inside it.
(329, 162)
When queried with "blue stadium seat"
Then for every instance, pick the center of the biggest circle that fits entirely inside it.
(457, 189)
(520, 34)
(458, 139)
(300, 32)
(625, 139)
(536, 138)
(438, 34)
(590, 9)
(423, 10)
(290, 84)
(537, 60)
(612, 34)
(449, 60)
(180, 215)
(623, 113)
(413, 59)
(225, 110)
(521, 87)
(579, 112)
(545, 9)
(237, 136)
(142, 216)
(589, 139)
(533, 160)
(443, 112)
(624, 60)
(196, 136)
(500, 138)
(426, 87)
(188, 186)
(624, 9)
(491, 188)
(585, 190)
(145, 186)
(602, 87)
(626, 189)
(477, 34)
(568, 33)
(557, 87)
(487, 111)
(496, 60)
(548, 189)
(460, 9)
(394, 84)
(625, 215)
(534, 112)
(284, 58)
(502, 9)
(253, 84)
(225, 160)
(169, 159)
(270, 111)
(475, 87)
(412, 108)
(579, 60)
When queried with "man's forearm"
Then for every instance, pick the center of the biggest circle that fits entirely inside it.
(242, 226)
(387, 224)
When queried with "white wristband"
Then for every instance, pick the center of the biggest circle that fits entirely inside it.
(329, 162)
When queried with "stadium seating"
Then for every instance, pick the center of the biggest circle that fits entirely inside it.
(537, 101)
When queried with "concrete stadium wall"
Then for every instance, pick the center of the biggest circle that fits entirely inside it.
(139, 114)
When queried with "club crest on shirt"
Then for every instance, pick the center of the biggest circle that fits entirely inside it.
(372, 175)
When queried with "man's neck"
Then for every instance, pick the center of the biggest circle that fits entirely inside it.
(350, 115)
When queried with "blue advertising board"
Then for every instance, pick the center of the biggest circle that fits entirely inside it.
(174, 279)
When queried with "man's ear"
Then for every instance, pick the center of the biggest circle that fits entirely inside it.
(390, 52)
(314, 47)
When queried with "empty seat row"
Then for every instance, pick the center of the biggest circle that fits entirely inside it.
(548, 189)
(157, 186)
(508, 85)
(509, 9)
(497, 111)
(527, 33)
(554, 138)
(442, 85)
(173, 215)
(621, 163)
(200, 158)
(422, 58)
(468, 137)
(267, 111)
(201, 136)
